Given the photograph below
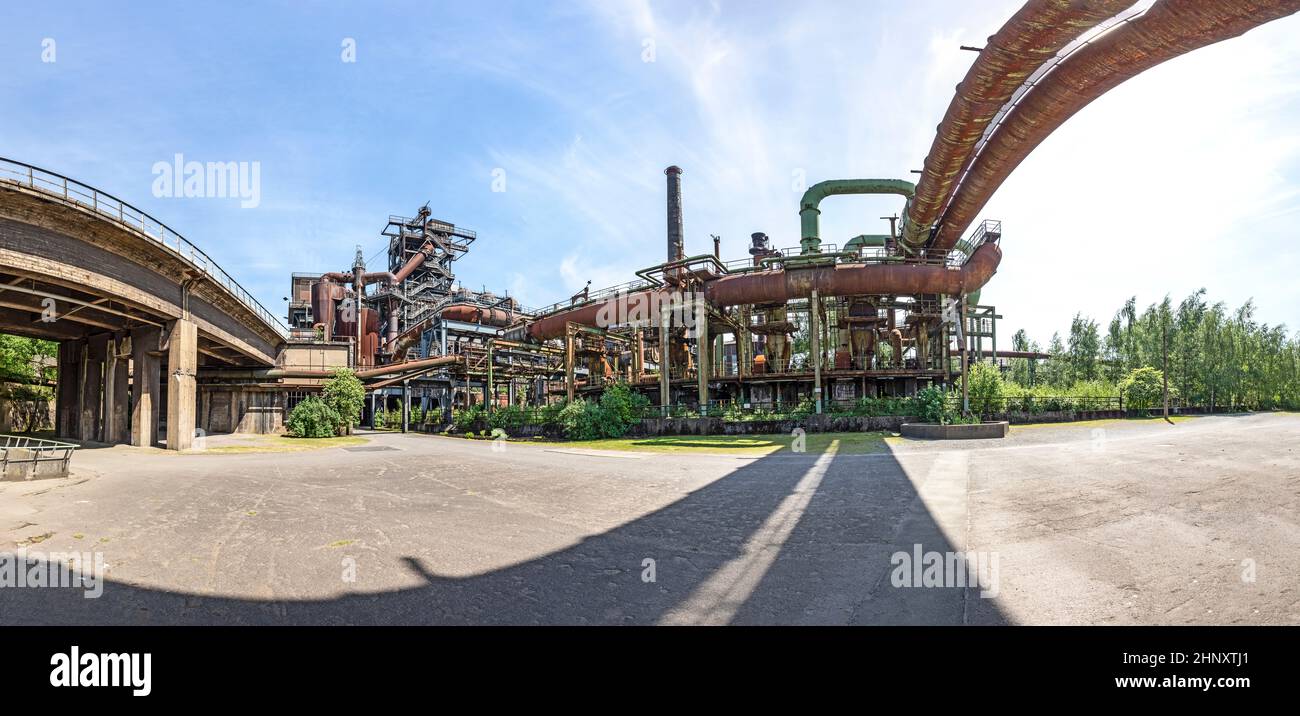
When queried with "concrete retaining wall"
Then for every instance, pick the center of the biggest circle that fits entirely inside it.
(650, 427)
(974, 431)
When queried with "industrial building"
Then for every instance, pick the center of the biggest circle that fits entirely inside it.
(145, 319)
(820, 322)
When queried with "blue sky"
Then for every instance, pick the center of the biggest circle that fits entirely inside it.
(1186, 176)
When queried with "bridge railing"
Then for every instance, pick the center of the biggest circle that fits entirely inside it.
(113, 209)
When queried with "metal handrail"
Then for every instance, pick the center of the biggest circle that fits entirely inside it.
(39, 450)
(109, 207)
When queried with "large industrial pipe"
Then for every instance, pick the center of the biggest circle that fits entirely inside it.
(478, 314)
(395, 368)
(855, 279)
(1036, 33)
(809, 213)
(676, 236)
(786, 284)
(413, 263)
(1168, 29)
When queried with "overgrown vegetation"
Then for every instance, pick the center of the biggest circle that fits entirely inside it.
(333, 412)
(617, 410)
(26, 364)
(345, 394)
(1143, 388)
(610, 416)
(984, 388)
(313, 418)
(1217, 357)
(934, 406)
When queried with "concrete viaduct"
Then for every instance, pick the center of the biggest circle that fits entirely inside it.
(117, 288)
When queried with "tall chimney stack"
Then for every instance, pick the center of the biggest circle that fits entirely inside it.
(676, 240)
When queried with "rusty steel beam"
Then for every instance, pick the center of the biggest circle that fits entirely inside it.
(1168, 29)
(1036, 33)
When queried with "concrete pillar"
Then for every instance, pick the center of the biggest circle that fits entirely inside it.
(67, 414)
(116, 421)
(182, 365)
(92, 388)
(145, 387)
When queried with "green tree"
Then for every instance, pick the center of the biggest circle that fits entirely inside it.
(345, 395)
(1142, 388)
(1056, 372)
(1084, 349)
(26, 364)
(985, 388)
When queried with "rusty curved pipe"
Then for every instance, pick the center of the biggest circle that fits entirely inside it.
(413, 263)
(1036, 33)
(783, 285)
(1168, 29)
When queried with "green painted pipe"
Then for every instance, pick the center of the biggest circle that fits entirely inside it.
(809, 221)
(864, 240)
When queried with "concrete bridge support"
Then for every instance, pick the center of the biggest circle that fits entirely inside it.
(91, 392)
(145, 348)
(94, 383)
(67, 411)
(182, 370)
(117, 428)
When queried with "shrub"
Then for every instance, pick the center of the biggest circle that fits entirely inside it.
(313, 418)
(345, 395)
(581, 420)
(622, 408)
(985, 387)
(874, 407)
(508, 418)
(1143, 388)
(464, 418)
(807, 406)
(935, 407)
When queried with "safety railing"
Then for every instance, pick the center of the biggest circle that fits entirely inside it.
(109, 207)
(33, 455)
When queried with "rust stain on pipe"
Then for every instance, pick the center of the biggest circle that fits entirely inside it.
(851, 280)
(1168, 29)
(413, 263)
(552, 326)
(784, 285)
(1036, 33)
(407, 366)
(478, 314)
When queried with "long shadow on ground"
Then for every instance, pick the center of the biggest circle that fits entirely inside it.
(786, 539)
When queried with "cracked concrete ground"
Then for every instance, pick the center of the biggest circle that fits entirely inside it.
(1119, 522)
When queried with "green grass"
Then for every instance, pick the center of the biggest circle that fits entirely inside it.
(282, 443)
(748, 445)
